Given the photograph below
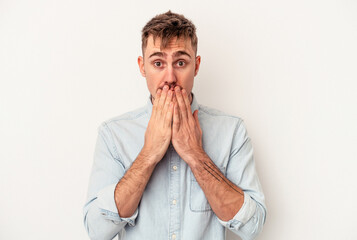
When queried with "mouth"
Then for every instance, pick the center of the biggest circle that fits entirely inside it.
(172, 87)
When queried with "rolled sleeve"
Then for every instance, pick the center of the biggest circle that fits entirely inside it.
(108, 209)
(249, 220)
(243, 215)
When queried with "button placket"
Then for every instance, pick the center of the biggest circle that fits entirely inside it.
(174, 227)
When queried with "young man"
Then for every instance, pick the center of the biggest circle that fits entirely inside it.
(173, 169)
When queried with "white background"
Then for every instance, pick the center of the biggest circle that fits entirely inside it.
(288, 68)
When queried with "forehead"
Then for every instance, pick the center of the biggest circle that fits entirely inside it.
(173, 45)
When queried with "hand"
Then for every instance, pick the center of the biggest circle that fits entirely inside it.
(186, 129)
(158, 132)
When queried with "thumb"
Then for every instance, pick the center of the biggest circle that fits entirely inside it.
(195, 115)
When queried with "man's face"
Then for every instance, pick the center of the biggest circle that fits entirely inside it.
(176, 65)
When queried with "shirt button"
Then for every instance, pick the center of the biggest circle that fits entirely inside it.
(173, 237)
(174, 202)
(174, 168)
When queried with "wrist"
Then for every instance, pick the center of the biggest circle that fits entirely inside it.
(192, 158)
(147, 155)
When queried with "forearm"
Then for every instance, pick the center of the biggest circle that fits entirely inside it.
(225, 198)
(131, 186)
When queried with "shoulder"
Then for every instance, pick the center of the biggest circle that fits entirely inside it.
(219, 122)
(212, 113)
(128, 116)
(125, 118)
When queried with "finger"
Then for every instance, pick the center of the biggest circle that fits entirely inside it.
(162, 100)
(163, 95)
(181, 103)
(174, 98)
(176, 120)
(178, 109)
(167, 102)
(169, 115)
(157, 97)
(187, 101)
(156, 101)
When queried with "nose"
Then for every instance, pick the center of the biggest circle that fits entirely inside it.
(170, 76)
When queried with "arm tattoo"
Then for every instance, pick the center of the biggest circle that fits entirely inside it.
(212, 174)
(211, 170)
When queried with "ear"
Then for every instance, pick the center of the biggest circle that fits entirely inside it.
(197, 64)
(141, 66)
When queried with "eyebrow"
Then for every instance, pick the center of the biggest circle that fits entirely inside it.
(159, 54)
(180, 53)
(176, 54)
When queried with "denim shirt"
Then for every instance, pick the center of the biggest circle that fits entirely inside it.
(173, 206)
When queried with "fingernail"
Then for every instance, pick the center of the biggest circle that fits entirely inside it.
(170, 93)
(166, 87)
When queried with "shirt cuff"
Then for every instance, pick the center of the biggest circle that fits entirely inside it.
(243, 215)
(108, 208)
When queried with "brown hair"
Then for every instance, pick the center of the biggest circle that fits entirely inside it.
(167, 26)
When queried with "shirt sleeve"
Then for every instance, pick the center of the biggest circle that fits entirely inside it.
(101, 218)
(249, 220)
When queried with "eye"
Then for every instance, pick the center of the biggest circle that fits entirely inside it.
(181, 63)
(157, 64)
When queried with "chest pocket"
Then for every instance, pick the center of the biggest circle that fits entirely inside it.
(198, 200)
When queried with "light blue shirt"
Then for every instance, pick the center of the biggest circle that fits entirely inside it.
(173, 205)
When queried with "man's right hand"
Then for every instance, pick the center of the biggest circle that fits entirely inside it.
(131, 186)
(158, 132)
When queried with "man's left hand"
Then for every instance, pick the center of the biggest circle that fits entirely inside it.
(186, 129)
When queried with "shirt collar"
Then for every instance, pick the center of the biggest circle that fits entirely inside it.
(194, 105)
